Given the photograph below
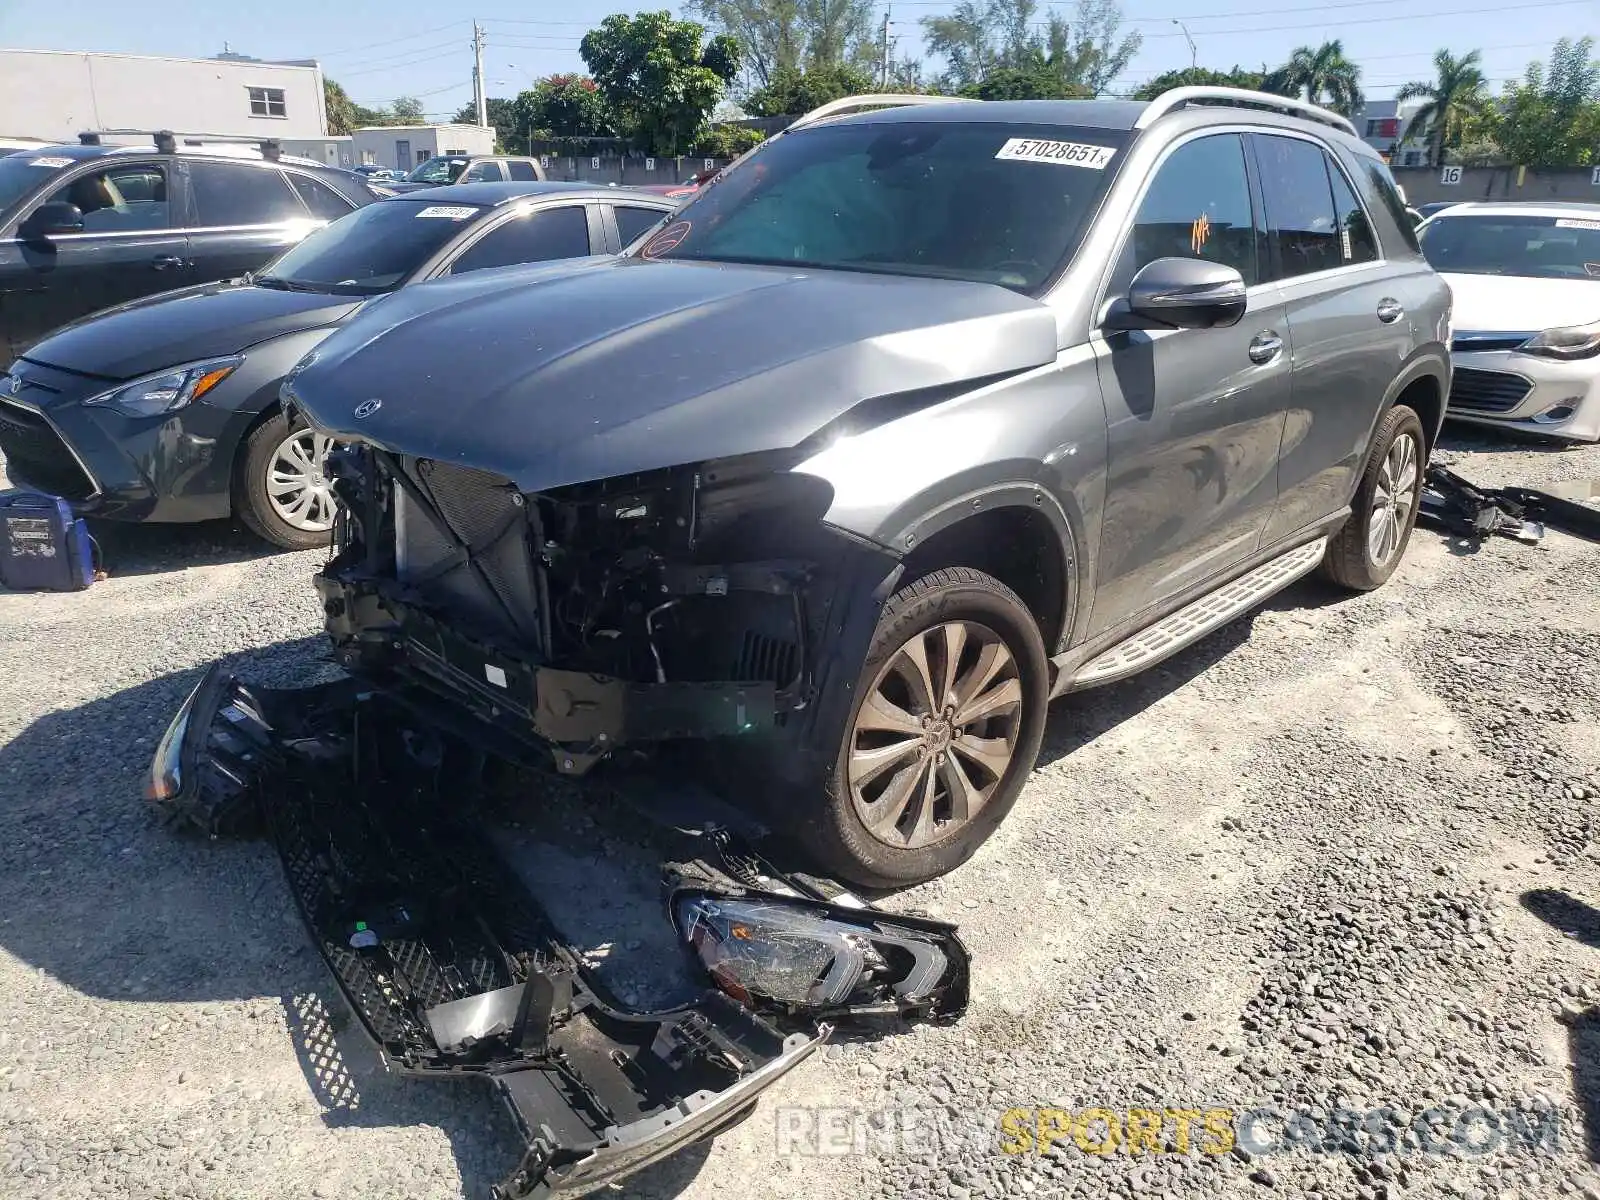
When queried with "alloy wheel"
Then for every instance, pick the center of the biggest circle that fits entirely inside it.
(935, 734)
(1393, 499)
(298, 488)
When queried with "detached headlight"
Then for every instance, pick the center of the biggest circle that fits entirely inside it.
(1565, 342)
(168, 391)
(166, 768)
(769, 952)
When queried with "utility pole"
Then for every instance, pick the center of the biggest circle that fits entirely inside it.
(883, 81)
(477, 74)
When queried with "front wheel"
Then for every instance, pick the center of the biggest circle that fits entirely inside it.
(946, 726)
(1367, 550)
(282, 491)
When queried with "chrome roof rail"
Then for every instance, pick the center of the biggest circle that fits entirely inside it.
(849, 104)
(1241, 98)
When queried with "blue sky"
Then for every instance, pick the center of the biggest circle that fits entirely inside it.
(379, 49)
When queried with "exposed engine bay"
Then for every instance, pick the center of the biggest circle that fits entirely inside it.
(454, 969)
(681, 603)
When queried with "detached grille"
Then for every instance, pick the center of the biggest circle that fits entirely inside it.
(475, 558)
(36, 455)
(1487, 391)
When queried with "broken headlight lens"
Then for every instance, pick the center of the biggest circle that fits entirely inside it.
(795, 955)
(166, 769)
(1565, 342)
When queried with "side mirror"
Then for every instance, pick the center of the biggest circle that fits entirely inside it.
(1180, 293)
(52, 218)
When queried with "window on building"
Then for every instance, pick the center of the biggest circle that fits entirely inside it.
(239, 194)
(267, 102)
(1197, 206)
(537, 237)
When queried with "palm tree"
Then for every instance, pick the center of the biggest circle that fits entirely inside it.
(1458, 93)
(1322, 75)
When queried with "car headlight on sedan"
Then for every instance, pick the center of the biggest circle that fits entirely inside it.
(168, 391)
(1565, 342)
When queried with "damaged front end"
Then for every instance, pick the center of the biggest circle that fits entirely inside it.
(674, 604)
(454, 968)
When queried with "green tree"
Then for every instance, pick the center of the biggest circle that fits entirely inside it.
(793, 35)
(1323, 75)
(1456, 94)
(508, 134)
(1023, 83)
(566, 106)
(791, 91)
(345, 116)
(407, 110)
(1086, 51)
(1551, 117)
(659, 76)
(1198, 77)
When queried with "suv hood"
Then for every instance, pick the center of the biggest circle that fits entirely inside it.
(156, 332)
(1518, 303)
(601, 367)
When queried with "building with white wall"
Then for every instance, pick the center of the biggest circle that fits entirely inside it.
(404, 146)
(333, 150)
(1382, 125)
(56, 94)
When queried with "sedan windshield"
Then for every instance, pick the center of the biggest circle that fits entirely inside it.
(23, 171)
(372, 250)
(1514, 244)
(439, 170)
(985, 202)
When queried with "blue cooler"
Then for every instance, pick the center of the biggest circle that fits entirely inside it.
(43, 547)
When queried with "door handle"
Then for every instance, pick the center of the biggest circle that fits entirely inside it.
(1390, 310)
(166, 262)
(1265, 347)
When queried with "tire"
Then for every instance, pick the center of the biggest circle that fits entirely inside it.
(881, 752)
(1361, 557)
(254, 503)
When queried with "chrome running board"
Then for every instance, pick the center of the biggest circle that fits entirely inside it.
(1192, 622)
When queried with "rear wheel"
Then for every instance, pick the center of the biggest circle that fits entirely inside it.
(1373, 541)
(949, 714)
(282, 491)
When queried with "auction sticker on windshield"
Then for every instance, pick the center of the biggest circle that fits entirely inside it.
(1064, 154)
(50, 162)
(450, 212)
(1573, 223)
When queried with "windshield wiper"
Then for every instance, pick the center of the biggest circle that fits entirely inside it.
(285, 285)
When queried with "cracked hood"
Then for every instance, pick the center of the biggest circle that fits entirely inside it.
(600, 367)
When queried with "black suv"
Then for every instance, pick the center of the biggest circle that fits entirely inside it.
(85, 227)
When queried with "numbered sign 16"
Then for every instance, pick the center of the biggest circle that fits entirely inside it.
(1450, 176)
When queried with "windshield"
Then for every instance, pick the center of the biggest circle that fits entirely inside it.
(439, 170)
(372, 250)
(992, 203)
(1513, 244)
(23, 171)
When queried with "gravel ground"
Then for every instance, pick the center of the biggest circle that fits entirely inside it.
(1337, 857)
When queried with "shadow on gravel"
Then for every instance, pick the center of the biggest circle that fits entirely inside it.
(1581, 922)
(128, 550)
(99, 895)
(1458, 437)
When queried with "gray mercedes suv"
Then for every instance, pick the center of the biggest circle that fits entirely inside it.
(913, 420)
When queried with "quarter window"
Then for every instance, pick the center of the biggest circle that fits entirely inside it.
(267, 102)
(236, 194)
(540, 236)
(1197, 206)
(1357, 243)
(321, 199)
(129, 196)
(1300, 211)
(631, 222)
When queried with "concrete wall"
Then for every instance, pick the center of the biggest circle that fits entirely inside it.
(1426, 185)
(629, 172)
(381, 144)
(58, 94)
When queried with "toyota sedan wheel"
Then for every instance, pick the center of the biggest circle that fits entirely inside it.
(282, 490)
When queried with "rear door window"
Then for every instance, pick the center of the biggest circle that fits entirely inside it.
(227, 194)
(128, 196)
(522, 171)
(632, 221)
(1357, 242)
(1304, 224)
(549, 233)
(321, 199)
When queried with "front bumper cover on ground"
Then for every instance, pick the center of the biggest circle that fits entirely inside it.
(453, 967)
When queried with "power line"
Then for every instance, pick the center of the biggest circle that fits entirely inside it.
(430, 55)
(392, 41)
